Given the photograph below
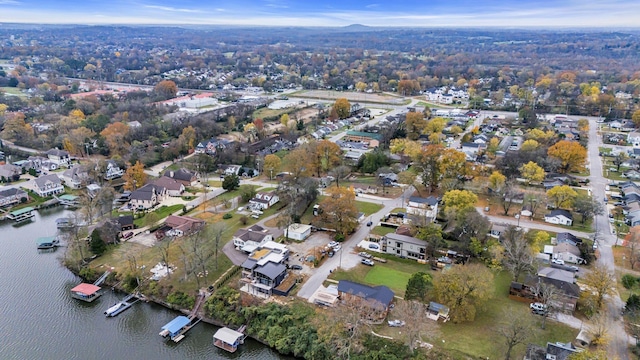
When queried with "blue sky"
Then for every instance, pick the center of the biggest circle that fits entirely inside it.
(462, 13)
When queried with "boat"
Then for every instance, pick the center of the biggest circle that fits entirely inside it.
(65, 223)
(47, 242)
(121, 306)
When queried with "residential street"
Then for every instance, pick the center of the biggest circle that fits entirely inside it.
(347, 257)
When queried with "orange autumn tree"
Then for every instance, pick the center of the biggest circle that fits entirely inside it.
(115, 136)
(571, 154)
(135, 176)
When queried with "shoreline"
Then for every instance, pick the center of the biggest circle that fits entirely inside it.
(166, 305)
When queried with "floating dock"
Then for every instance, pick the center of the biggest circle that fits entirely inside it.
(21, 215)
(47, 243)
(65, 223)
(178, 327)
(229, 339)
(121, 306)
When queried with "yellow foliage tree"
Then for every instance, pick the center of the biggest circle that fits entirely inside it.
(284, 119)
(562, 196)
(497, 181)
(188, 138)
(342, 106)
(406, 147)
(272, 164)
(459, 200)
(134, 177)
(339, 209)
(436, 125)
(3, 109)
(452, 163)
(529, 145)
(77, 115)
(532, 172)
(571, 154)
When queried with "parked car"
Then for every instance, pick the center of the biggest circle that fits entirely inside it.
(255, 216)
(295, 267)
(396, 323)
(365, 255)
(337, 248)
(367, 262)
(333, 244)
(538, 306)
(374, 246)
(128, 235)
(369, 223)
(558, 261)
(574, 268)
(331, 253)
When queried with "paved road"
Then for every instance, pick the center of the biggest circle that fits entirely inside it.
(11, 145)
(346, 258)
(618, 346)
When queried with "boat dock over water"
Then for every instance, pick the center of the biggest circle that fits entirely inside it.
(21, 215)
(178, 327)
(89, 292)
(47, 242)
(229, 339)
(121, 306)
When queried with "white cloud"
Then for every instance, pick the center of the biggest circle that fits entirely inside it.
(9, 2)
(172, 9)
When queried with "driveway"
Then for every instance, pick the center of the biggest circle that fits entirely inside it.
(347, 257)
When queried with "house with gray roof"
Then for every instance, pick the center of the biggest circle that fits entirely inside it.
(251, 238)
(174, 187)
(9, 172)
(59, 157)
(560, 217)
(75, 178)
(264, 269)
(186, 177)
(48, 185)
(147, 197)
(425, 207)
(12, 196)
(112, 170)
(555, 351)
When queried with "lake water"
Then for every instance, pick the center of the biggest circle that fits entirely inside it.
(40, 320)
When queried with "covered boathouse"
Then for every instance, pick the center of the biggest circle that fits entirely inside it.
(228, 339)
(176, 328)
(86, 292)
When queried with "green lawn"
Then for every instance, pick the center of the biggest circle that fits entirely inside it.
(382, 230)
(265, 112)
(234, 193)
(478, 339)
(162, 213)
(12, 91)
(394, 279)
(368, 208)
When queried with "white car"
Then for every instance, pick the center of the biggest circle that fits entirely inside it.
(337, 248)
(558, 261)
(367, 262)
(333, 244)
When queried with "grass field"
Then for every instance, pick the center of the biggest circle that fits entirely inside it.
(162, 213)
(368, 208)
(12, 91)
(382, 230)
(265, 112)
(394, 279)
(479, 338)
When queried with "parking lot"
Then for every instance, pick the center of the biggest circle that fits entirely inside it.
(311, 246)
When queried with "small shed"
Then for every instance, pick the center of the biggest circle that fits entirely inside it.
(437, 312)
(298, 231)
(228, 339)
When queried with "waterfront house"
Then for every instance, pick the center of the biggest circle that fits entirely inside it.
(75, 177)
(404, 246)
(186, 177)
(264, 269)
(112, 170)
(378, 298)
(264, 200)
(174, 187)
(12, 196)
(48, 185)
(125, 222)
(250, 239)
(59, 157)
(146, 197)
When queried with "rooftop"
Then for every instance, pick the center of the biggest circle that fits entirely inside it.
(86, 289)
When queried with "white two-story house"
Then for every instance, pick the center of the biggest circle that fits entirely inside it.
(250, 239)
(59, 157)
(112, 170)
(48, 185)
(427, 207)
(264, 200)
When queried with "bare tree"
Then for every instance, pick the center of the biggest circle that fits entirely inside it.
(633, 246)
(602, 283)
(535, 202)
(599, 325)
(412, 313)
(508, 196)
(216, 231)
(547, 295)
(163, 248)
(339, 172)
(514, 332)
(518, 258)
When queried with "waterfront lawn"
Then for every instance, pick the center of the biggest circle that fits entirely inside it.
(367, 208)
(478, 338)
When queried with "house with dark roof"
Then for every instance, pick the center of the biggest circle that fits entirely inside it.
(265, 269)
(569, 238)
(12, 196)
(47, 185)
(560, 217)
(174, 187)
(9, 172)
(564, 282)
(427, 207)
(377, 298)
(251, 238)
(553, 351)
(186, 177)
(568, 253)
(76, 177)
(146, 197)
(125, 222)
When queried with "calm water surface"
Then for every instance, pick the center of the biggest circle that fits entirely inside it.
(40, 320)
